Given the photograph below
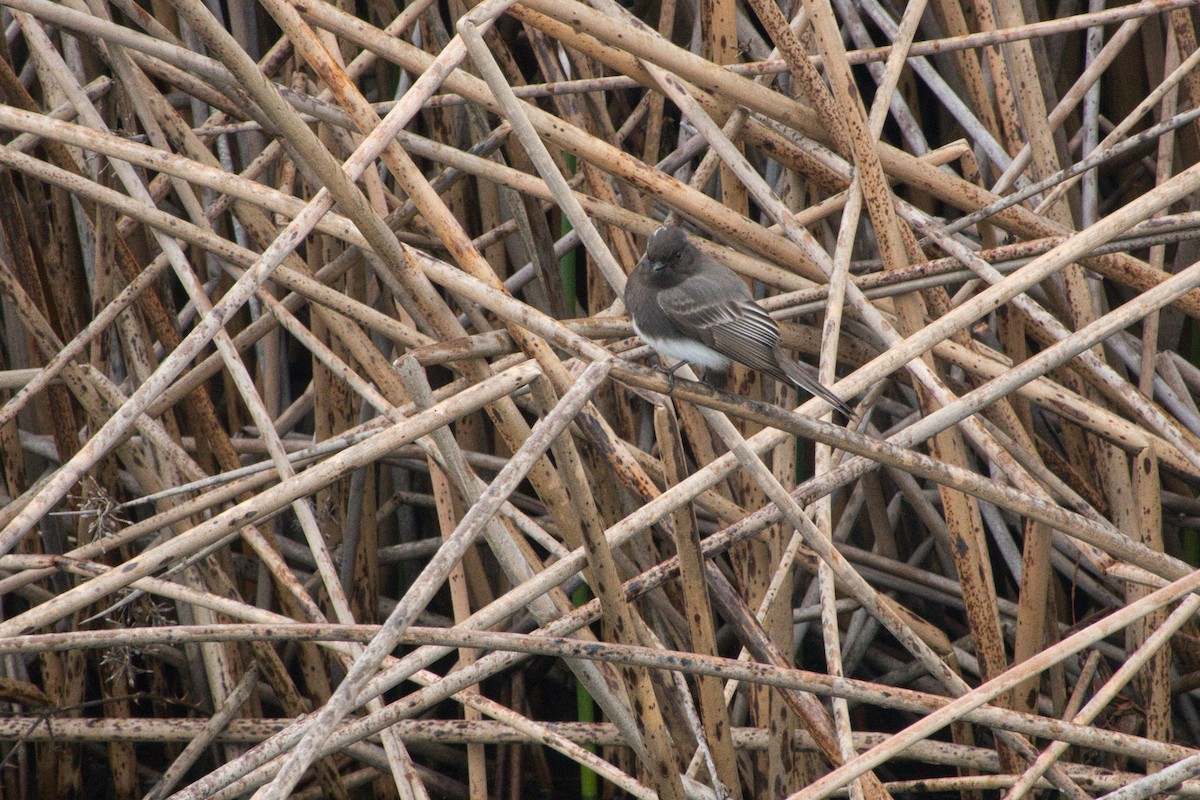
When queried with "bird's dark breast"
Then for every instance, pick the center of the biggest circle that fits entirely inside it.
(643, 308)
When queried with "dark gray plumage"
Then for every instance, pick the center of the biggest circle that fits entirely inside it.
(692, 308)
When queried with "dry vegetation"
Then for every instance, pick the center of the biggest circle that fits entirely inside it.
(330, 464)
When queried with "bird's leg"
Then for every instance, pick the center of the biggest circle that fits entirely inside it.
(671, 375)
(715, 378)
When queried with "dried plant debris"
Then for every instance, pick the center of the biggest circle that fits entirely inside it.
(332, 463)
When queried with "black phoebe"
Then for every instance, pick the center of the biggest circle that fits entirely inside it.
(692, 308)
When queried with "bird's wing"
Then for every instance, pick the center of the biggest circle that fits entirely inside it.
(718, 311)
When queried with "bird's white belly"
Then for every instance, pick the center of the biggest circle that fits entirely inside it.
(687, 350)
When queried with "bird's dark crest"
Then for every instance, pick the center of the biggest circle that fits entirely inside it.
(665, 244)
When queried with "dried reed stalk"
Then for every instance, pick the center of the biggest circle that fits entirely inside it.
(321, 420)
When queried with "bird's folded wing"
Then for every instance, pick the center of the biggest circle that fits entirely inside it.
(717, 314)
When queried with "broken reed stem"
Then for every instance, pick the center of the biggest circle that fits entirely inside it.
(377, 259)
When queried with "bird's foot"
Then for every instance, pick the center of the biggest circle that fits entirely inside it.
(715, 378)
(671, 375)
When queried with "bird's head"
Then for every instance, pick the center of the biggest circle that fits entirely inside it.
(666, 248)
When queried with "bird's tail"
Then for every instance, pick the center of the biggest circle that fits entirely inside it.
(801, 376)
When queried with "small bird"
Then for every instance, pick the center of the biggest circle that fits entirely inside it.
(690, 307)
